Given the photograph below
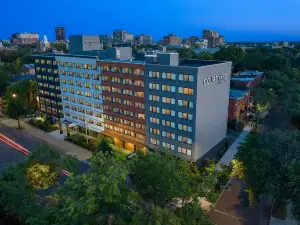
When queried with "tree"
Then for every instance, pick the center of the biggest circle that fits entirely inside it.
(60, 47)
(155, 216)
(41, 177)
(15, 108)
(277, 62)
(192, 214)
(253, 61)
(186, 53)
(173, 181)
(294, 186)
(230, 53)
(105, 145)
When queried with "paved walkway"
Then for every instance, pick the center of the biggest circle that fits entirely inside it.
(232, 150)
(61, 145)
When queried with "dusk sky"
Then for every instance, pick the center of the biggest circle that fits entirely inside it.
(237, 20)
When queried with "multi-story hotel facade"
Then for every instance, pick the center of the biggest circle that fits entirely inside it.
(48, 85)
(162, 102)
(80, 85)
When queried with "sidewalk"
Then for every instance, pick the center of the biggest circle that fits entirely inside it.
(61, 145)
(232, 150)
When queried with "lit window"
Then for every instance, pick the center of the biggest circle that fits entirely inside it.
(184, 127)
(186, 77)
(186, 91)
(154, 98)
(154, 131)
(154, 120)
(168, 100)
(154, 86)
(168, 146)
(154, 141)
(168, 112)
(154, 109)
(184, 139)
(168, 88)
(185, 151)
(186, 116)
(168, 76)
(154, 74)
(168, 123)
(185, 103)
(168, 135)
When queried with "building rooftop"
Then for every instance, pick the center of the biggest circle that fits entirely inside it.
(244, 79)
(236, 94)
(197, 63)
(123, 61)
(249, 73)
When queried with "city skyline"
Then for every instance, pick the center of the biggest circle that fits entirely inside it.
(233, 20)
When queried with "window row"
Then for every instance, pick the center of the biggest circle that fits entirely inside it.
(168, 88)
(139, 94)
(169, 112)
(125, 122)
(172, 76)
(169, 135)
(81, 110)
(80, 75)
(124, 70)
(42, 61)
(49, 70)
(124, 102)
(48, 86)
(171, 147)
(49, 93)
(78, 65)
(125, 112)
(86, 120)
(82, 93)
(48, 102)
(124, 131)
(117, 80)
(82, 102)
(50, 78)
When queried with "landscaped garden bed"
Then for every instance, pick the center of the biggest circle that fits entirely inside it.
(44, 124)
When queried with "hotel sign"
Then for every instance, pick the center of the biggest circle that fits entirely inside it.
(215, 79)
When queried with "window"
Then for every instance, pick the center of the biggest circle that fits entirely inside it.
(139, 83)
(154, 86)
(168, 76)
(87, 85)
(168, 100)
(43, 61)
(154, 131)
(168, 123)
(154, 98)
(115, 69)
(94, 67)
(154, 109)
(168, 112)
(97, 96)
(86, 76)
(185, 140)
(49, 70)
(139, 94)
(37, 61)
(184, 127)
(186, 91)
(154, 141)
(185, 103)
(168, 146)
(186, 77)
(139, 105)
(97, 86)
(186, 116)
(154, 74)
(139, 136)
(185, 151)
(154, 120)
(38, 69)
(49, 62)
(138, 72)
(168, 88)
(168, 135)
(126, 92)
(125, 70)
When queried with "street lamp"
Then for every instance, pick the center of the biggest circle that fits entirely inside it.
(14, 95)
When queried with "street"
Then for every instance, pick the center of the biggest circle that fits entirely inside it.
(233, 207)
(10, 155)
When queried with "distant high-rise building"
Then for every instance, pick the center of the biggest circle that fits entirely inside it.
(60, 34)
(143, 40)
(213, 38)
(24, 38)
(128, 37)
(119, 36)
(171, 40)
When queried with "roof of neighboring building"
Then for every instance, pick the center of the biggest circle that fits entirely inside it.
(237, 93)
(249, 73)
(29, 66)
(245, 79)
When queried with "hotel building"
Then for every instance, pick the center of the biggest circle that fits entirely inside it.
(48, 85)
(161, 102)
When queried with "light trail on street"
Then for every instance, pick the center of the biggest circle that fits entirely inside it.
(18, 147)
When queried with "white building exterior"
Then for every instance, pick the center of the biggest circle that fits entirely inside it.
(80, 85)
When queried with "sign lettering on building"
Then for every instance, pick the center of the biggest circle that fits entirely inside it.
(214, 79)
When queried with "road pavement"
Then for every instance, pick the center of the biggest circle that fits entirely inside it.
(10, 155)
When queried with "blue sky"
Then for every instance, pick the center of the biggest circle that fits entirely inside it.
(237, 20)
